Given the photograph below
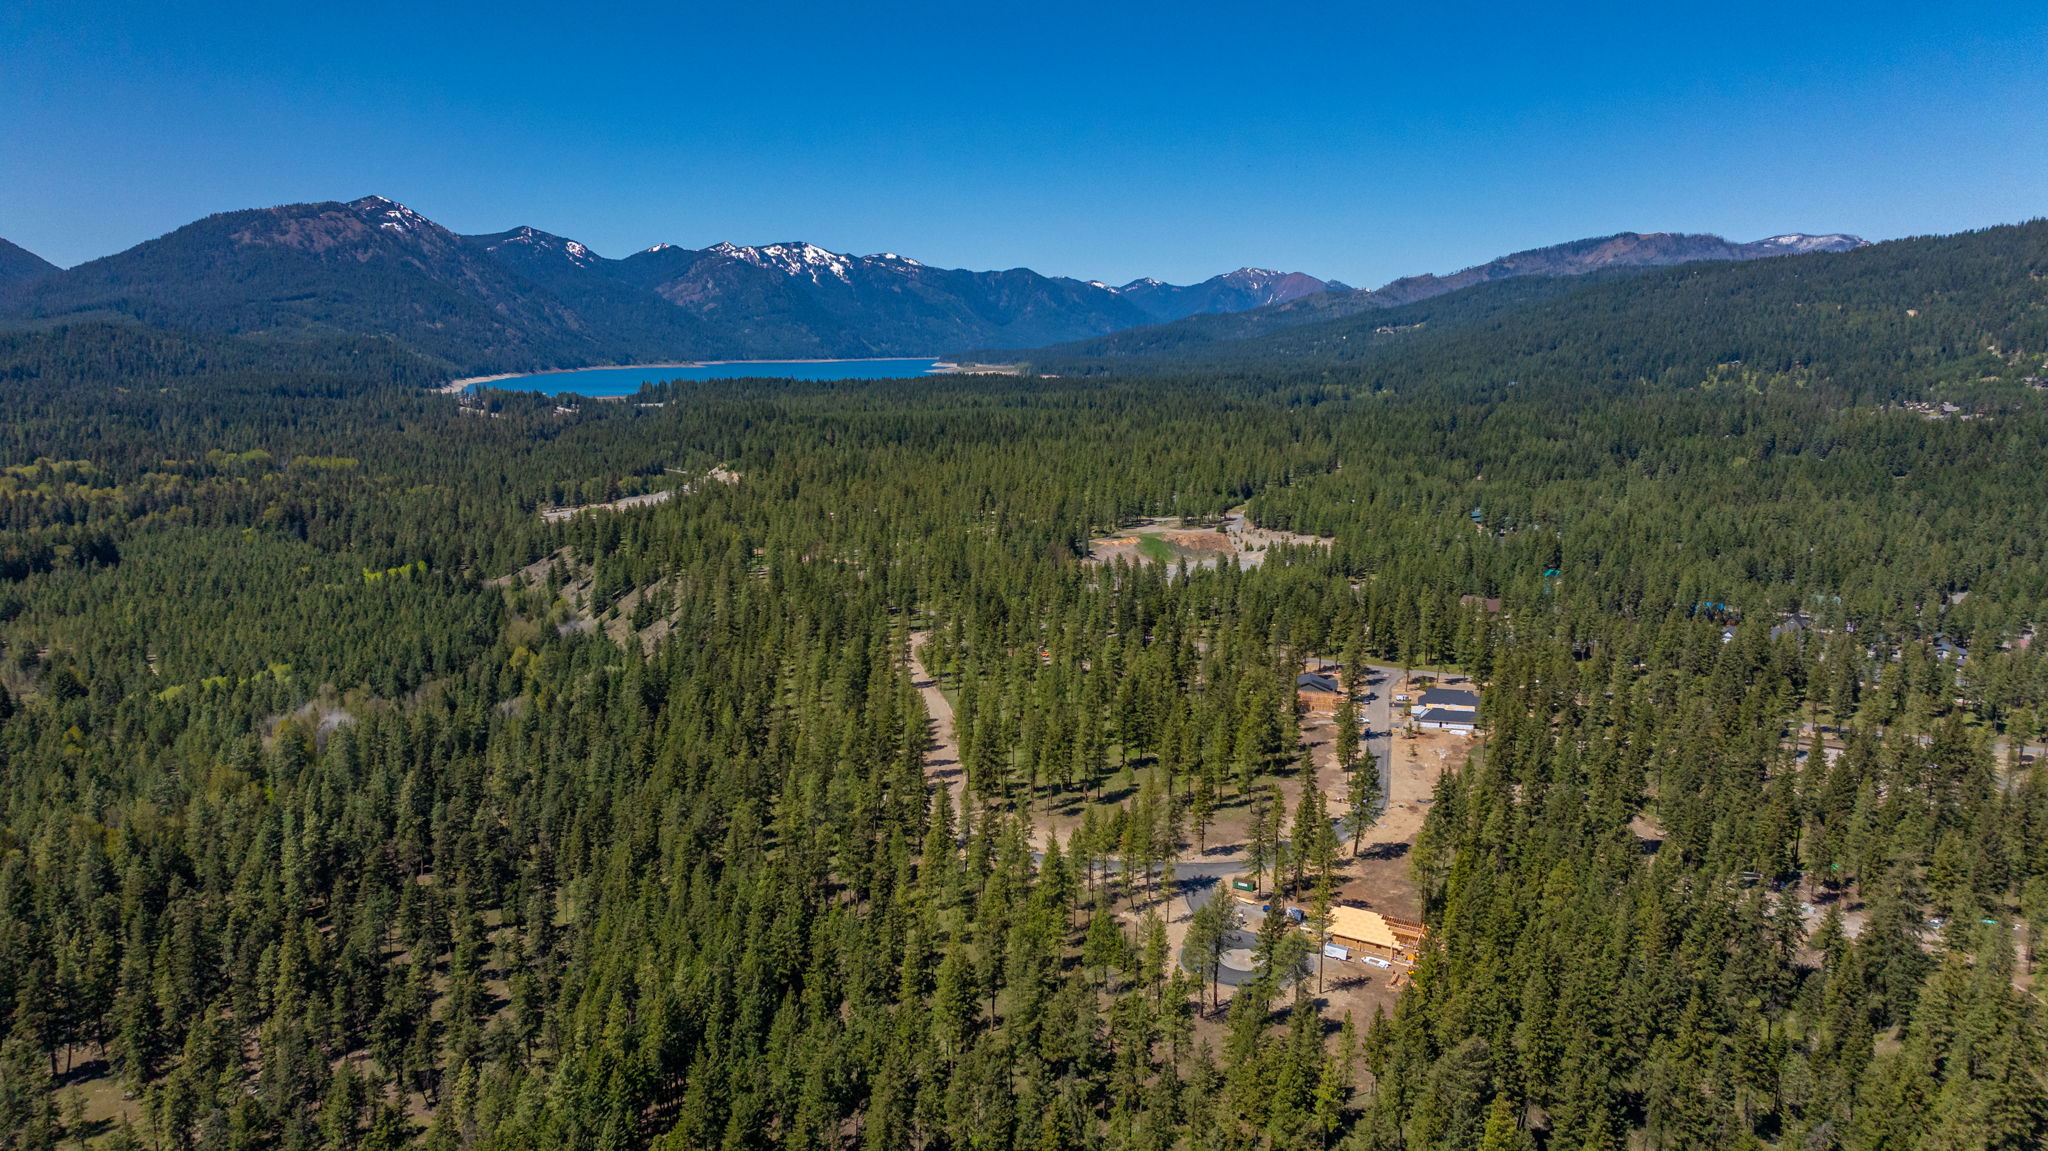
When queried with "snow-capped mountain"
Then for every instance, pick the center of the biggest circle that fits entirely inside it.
(796, 259)
(392, 214)
(1798, 243)
(539, 241)
(525, 298)
(529, 298)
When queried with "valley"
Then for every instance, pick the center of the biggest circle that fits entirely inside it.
(1112, 577)
(877, 761)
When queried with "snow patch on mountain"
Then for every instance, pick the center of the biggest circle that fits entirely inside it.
(392, 214)
(1798, 242)
(792, 259)
(541, 241)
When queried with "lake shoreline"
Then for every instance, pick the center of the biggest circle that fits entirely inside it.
(740, 369)
(937, 368)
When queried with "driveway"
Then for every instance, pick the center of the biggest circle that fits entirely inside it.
(1236, 966)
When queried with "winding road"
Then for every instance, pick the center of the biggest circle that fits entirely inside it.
(942, 756)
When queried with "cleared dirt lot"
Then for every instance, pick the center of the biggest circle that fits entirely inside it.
(1229, 538)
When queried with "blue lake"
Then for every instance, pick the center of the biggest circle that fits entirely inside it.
(626, 381)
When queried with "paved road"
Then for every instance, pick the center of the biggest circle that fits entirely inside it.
(1378, 714)
(1237, 967)
(1382, 716)
(1226, 974)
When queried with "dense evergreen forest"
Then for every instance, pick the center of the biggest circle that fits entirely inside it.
(1910, 313)
(347, 801)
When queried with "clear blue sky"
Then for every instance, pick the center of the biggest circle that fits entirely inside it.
(1106, 140)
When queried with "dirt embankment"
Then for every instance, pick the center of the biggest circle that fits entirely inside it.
(1200, 541)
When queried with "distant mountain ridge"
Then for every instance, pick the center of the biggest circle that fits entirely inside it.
(1957, 315)
(19, 265)
(1230, 292)
(1623, 250)
(372, 267)
(524, 298)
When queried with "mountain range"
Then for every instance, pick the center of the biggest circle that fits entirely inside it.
(1905, 319)
(1623, 250)
(526, 299)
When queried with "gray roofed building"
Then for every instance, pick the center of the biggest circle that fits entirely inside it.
(1441, 719)
(1450, 698)
(1311, 681)
(1794, 623)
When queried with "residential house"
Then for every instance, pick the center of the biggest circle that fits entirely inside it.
(1443, 719)
(1362, 931)
(1795, 623)
(1318, 693)
(1450, 699)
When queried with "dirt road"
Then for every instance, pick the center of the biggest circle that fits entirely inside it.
(558, 514)
(942, 757)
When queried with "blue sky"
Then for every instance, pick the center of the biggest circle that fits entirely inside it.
(1360, 141)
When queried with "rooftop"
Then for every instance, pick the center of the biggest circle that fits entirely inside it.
(1362, 925)
(1450, 697)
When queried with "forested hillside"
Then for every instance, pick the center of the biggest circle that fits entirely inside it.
(347, 801)
(1886, 318)
(19, 265)
(524, 299)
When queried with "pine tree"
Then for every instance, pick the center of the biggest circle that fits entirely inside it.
(1347, 737)
(1363, 801)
